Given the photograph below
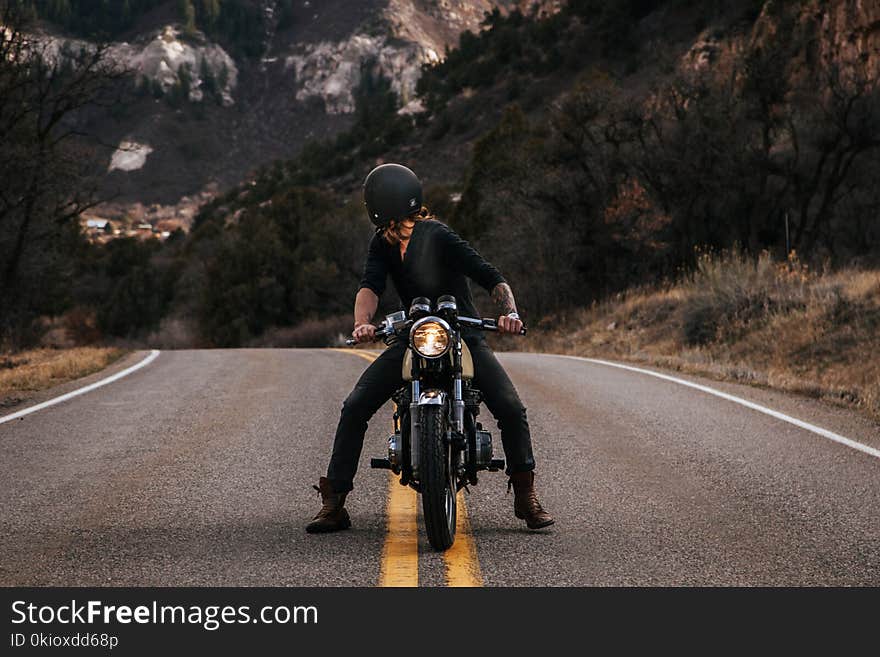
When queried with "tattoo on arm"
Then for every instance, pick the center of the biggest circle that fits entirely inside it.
(502, 295)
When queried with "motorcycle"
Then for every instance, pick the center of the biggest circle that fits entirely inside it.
(438, 446)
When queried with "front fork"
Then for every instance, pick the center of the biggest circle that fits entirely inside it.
(458, 408)
(457, 394)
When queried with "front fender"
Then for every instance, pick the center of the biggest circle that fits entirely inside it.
(431, 398)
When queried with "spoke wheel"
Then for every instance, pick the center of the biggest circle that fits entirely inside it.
(439, 502)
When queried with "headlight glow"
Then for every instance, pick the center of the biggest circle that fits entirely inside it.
(430, 338)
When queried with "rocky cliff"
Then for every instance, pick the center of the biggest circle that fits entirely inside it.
(850, 30)
(203, 117)
(240, 113)
(843, 34)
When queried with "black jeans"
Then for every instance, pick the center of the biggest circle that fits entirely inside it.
(383, 378)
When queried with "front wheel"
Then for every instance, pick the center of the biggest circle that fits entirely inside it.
(437, 478)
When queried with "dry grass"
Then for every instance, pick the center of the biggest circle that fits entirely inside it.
(763, 323)
(30, 371)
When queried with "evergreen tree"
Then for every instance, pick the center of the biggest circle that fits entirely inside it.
(188, 16)
(179, 93)
(210, 13)
(223, 78)
(59, 11)
(285, 14)
(209, 82)
(157, 90)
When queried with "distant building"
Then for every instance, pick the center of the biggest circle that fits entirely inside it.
(99, 226)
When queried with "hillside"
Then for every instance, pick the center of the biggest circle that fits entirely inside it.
(588, 151)
(778, 325)
(584, 147)
(263, 79)
(234, 85)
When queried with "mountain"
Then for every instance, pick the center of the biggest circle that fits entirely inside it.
(603, 146)
(583, 147)
(222, 88)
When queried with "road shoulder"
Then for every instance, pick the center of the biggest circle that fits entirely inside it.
(26, 399)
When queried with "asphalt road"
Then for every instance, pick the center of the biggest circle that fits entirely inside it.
(197, 470)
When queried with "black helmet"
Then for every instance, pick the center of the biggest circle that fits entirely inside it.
(391, 191)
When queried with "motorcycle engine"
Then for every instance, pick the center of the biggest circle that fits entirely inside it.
(484, 449)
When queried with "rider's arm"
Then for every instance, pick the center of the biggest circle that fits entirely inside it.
(502, 295)
(375, 268)
(468, 261)
(365, 304)
(372, 285)
(466, 258)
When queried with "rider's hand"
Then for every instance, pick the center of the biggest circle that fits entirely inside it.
(364, 333)
(508, 324)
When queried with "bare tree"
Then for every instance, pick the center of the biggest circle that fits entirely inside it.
(835, 131)
(46, 159)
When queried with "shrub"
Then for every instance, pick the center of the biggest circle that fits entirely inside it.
(326, 332)
(81, 326)
(730, 290)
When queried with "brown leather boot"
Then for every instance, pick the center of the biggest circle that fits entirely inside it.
(525, 500)
(332, 517)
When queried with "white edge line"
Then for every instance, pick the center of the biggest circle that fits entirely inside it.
(830, 435)
(81, 391)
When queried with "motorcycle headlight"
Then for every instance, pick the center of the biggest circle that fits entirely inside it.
(430, 337)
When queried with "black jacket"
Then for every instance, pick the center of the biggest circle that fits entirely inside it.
(437, 262)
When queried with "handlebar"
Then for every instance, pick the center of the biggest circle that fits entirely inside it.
(485, 324)
(380, 333)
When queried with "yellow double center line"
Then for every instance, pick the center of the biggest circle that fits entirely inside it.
(400, 554)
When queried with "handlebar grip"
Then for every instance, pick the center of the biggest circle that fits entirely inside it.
(379, 335)
(492, 325)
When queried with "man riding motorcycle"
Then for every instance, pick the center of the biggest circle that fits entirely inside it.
(424, 258)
